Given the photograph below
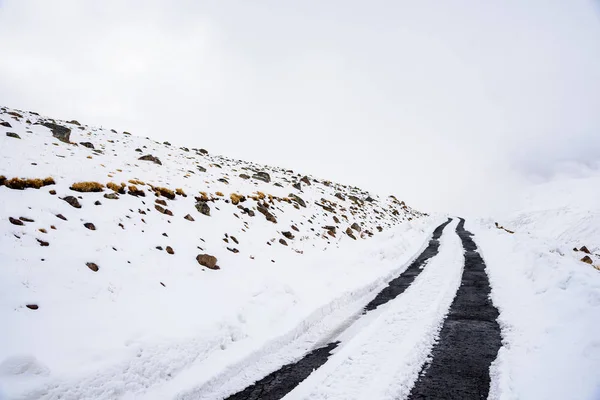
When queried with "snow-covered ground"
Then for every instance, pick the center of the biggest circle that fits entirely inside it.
(549, 300)
(296, 258)
(146, 318)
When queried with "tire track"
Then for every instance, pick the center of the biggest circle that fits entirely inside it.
(277, 384)
(469, 340)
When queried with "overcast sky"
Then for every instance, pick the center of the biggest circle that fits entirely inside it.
(450, 105)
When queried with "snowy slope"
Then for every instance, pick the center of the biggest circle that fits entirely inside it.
(548, 298)
(108, 312)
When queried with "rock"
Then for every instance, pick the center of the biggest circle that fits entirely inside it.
(201, 169)
(336, 219)
(5, 124)
(97, 203)
(294, 227)
(89, 145)
(297, 185)
(166, 143)
(283, 242)
(13, 135)
(585, 250)
(297, 199)
(74, 122)
(93, 266)
(225, 181)
(305, 180)
(15, 221)
(288, 234)
(203, 151)
(60, 132)
(356, 227)
(25, 219)
(111, 196)
(170, 250)
(350, 233)
(32, 306)
(161, 202)
(52, 192)
(90, 226)
(330, 228)
(43, 243)
(340, 196)
(233, 250)
(262, 176)
(587, 259)
(244, 176)
(150, 157)
(267, 214)
(207, 261)
(61, 217)
(370, 199)
(72, 201)
(189, 218)
(162, 210)
(203, 208)
(159, 248)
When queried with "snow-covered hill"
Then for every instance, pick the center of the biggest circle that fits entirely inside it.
(123, 261)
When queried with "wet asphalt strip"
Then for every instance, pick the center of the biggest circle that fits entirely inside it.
(469, 340)
(279, 383)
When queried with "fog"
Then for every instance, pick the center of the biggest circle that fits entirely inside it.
(451, 106)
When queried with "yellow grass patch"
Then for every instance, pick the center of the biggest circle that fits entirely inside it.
(87, 187)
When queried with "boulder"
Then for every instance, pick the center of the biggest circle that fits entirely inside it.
(60, 132)
(208, 261)
(262, 176)
(203, 208)
(89, 145)
(13, 135)
(150, 157)
(297, 199)
(72, 201)
(356, 227)
(587, 260)
(288, 234)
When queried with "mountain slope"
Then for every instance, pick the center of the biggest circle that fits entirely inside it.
(138, 259)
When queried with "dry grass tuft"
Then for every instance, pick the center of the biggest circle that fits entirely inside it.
(20, 184)
(87, 187)
(204, 196)
(162, 191)
(220, 194)
(116, 188)
(180, 192)
(260, 195)
(136, 182)
(236, 198)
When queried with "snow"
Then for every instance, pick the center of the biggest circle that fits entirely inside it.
(119, 332)
(549, 301)
(154, 325)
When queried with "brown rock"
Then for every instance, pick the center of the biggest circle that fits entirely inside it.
(52, 192)
(72, 201)
(207, 261)
(43, 243)
(32, 306)
(15, 221)
(93, 266)
(350, 233)
(283, 242)
(170, 250)
(161, 202)
(587, 260)
(356, 227)
(189, 218)
(288, 234)
(585, 250)
(150, 157)
(61, 217)
(203, 208)
(267, 214)
(90, 226)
